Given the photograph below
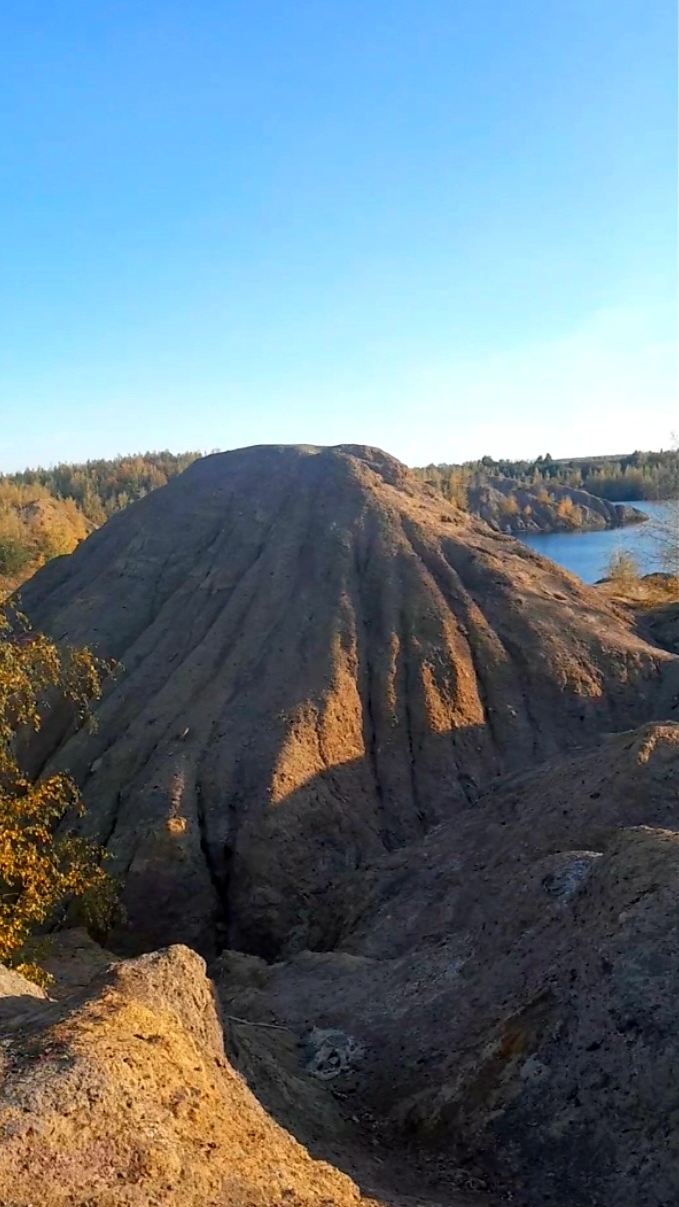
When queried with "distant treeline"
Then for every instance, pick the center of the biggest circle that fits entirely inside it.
(629, 478)
(102, 487)
(46, 512)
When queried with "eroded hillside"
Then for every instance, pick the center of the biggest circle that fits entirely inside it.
(322, 661)
(375, 762)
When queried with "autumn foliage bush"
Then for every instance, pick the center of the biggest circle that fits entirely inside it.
(42, 865)
(623, 568)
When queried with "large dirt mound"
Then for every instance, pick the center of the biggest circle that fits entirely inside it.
(122, 1096)
(323, 660)
(504, 993)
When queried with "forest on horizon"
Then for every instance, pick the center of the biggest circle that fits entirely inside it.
(45, 512)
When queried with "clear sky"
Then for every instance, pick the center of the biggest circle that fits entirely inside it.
(445, 227)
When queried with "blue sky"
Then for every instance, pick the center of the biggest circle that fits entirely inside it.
(445, 228)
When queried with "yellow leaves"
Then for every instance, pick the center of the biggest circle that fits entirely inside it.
(34, 527)
(34, 973)
(510, 506)
(31, 665)
(41, 869)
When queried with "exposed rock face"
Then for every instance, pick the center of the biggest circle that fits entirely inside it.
(509, 984)
(322, 662)
(121, 1096)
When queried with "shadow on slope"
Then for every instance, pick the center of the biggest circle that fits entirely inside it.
(500, 993)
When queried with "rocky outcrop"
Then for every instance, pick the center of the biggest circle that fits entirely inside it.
(509, 507)
(121, 1096)
(322, 662)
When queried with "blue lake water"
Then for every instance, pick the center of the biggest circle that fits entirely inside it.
(587, 554)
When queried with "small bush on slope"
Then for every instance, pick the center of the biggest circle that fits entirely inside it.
(39, 868)
(622, 568)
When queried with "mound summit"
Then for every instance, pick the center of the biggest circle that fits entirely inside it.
(322, 661)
